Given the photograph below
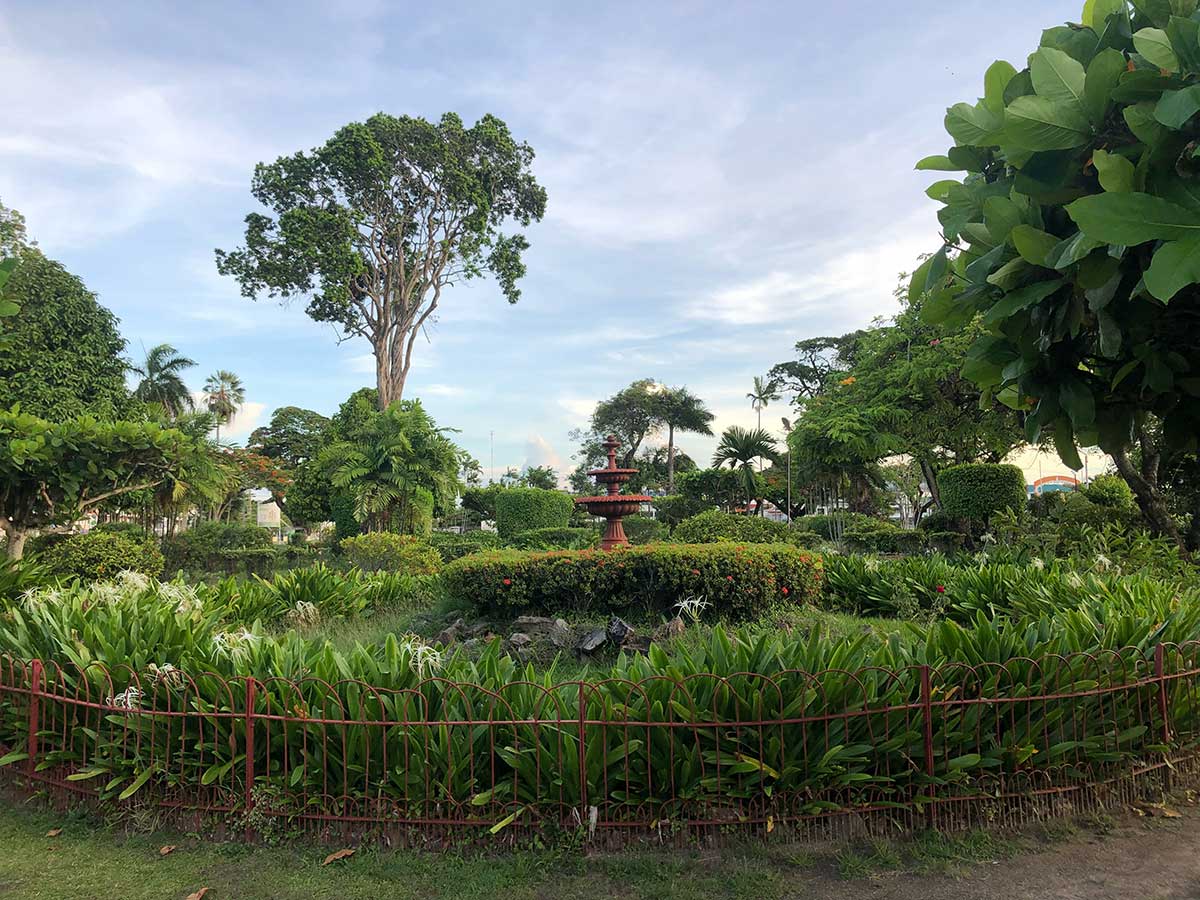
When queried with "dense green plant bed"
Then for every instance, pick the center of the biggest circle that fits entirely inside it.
(714, 525)
(737, 581)
(383, 551)
(101, 554)
(843, 721)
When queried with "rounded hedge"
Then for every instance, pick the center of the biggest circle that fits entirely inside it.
(975, 491)
(830, 525)
(99, 555)
(738, 581)
(524, 509)
(219, 546)
(452, 546)
(385, 551)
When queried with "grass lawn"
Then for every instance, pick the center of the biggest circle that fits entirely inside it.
(90, 861)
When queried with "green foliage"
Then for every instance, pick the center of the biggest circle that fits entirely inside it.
(741, 448)
(738, 581)
(160, 380)
(1111, 491)
(674, 508)
(219, 547)
(883, 537)
(62, 357)
(482, 501)
(833, 525)
(524, 509)
(20, 575)
(1079, 508)
(1073, 232)
(293, 436)
(554, 539)
(382, 551)
(974, 491)
(454, 546)
(129, 529)
(373, 225)
(98, 555)
(644, 529)
(714, 525)
(53, 472)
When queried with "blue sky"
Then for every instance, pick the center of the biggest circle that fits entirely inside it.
(724, 179)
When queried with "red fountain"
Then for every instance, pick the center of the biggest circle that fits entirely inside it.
(614, 505)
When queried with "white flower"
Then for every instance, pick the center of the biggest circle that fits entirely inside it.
(187, 601)
(1038, 563)
(107, 592)
(133, 581)
(691, 607)
(1103, 562)
(425, 659)
(304, 614)
(166, 674)
(130, 698)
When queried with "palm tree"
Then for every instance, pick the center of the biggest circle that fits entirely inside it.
(161, 380)
(740, 447)
(223, 396)
(765, 390)
(390, 462)
(681, 410)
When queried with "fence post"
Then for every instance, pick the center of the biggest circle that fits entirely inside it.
(35, 692)
(927, 724)
(248, 801)
(1160, 653)
(584, 812)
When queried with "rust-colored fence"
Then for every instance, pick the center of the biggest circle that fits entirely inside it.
(667, 758)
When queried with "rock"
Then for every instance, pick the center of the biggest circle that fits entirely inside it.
(561, 636)
(471, 644)
(618, 630)
(669, 630)
(592, 641)
(478, 629)
(451, 634)
(534, 624)
(637, 643)
(518, 640)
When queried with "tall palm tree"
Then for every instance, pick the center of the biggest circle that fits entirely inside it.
(681, 410)
(161, 380)
(740, 447)
(765, 390)
(224, 395)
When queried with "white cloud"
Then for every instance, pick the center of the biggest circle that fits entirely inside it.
(443, 390)
(539, 452)
(244, 421)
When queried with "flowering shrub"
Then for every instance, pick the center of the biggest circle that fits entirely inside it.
(738, 581)
(383, 551)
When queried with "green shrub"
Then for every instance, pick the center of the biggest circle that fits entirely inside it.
(674, 508)
(220, 547)
(830, 526)
(555, 539)
(884, 537)
(99, 554)
(974, 491)
(714, 525)
(809, 540)
(644, 529)
(947, 542)
(1078, 509)
(451, 545)
(20, 575)
(937, 520)
(738, 581)
(1111, 491)
(129, 529)
(384, 551)
(524, 509)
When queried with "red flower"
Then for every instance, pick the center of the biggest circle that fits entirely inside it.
(940, 589)
(695, 571)
(729, 578)
(785, 592)
(507, 582)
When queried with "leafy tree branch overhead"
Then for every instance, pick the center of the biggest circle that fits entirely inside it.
(372, 227)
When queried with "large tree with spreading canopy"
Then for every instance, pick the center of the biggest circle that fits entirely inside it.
(372, 226)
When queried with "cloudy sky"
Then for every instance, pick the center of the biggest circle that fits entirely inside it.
(724, 179)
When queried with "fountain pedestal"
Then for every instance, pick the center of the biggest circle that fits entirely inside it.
(613, 506)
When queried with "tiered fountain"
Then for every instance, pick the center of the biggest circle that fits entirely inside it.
(614, 505)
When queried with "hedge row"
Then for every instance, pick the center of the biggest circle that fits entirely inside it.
(738, 581)
(714, 525)
(974, 491)
(384, 551)
(523, 509)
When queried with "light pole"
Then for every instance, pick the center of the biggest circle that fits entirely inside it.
(787, 431)
(492, 457)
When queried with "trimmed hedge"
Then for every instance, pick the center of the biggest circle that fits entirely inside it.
(739, 581)
(828, 525)
(645, 530)
(884, 537)
(220, 546)
(975, 491)
(452, 546)
(524, 509)
(384, 551)
(714, 525)
(101, 554)
(556, 539)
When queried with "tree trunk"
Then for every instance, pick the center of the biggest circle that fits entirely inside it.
(670, 458)
(1143, 481)
(15, 546)
(931, 483)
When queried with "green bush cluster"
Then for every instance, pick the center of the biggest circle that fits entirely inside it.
(645, 529)
(229, 547)
(884, 537)
(451, 545)
(101, 554)
(975, 491)
(384, 551)
(555, 539)
(738, 581)
(715, 525)
(524, 509)
(831, 525)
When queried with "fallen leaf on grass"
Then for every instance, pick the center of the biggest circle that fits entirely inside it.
(198, 895)
(163, 851)
(338, 854)
(1158, 810)
(54, 832)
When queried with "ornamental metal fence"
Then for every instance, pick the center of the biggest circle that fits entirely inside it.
(672, 758)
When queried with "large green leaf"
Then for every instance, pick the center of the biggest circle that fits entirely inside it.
(1116, 172)
(1033, 244)
(976, 126)
(1175, 108)
(1036, 123)
(1021, 299)
(1176, 264)
(1129, 219)
(1155, 45)
(1096, 12)
(1184, 35)
(995, 80)
(1141, 121)
(1057, 76)
(938, 164)
(1103, 75)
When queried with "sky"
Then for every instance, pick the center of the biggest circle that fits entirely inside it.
(724, 179)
